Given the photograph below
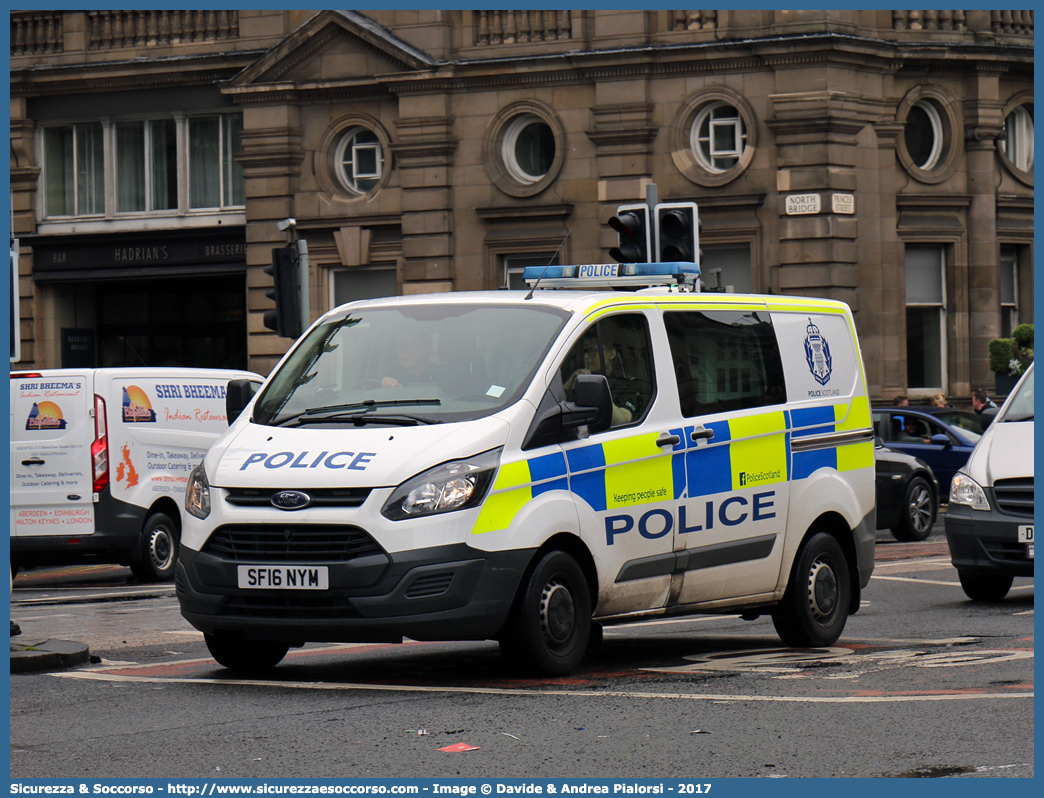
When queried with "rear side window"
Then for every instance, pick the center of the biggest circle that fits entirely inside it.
(724, 360)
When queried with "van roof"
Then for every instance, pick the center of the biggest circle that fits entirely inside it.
(585, 302)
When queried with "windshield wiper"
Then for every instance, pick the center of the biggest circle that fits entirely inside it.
(331, 412)
(360, 420)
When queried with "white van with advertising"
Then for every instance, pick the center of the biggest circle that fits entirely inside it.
(100, 459)
(528, 467)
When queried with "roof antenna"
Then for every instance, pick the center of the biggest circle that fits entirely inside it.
(541, 277)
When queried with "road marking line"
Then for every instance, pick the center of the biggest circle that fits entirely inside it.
(918, 581)
(543, 693)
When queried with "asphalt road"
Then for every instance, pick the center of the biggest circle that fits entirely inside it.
(922, 683)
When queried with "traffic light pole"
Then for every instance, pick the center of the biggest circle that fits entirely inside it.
(302, 257)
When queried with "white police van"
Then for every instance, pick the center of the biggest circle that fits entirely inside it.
(527, 467)
(100, 459)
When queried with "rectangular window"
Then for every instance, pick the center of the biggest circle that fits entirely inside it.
(1009, 290)
(727, 269)
(75, 174)
(215, 177)
(515, 265)
(204, 162)
(130, 166)
(925, 317)
(363, 283)
(724, 360)
(141, 161)
(163, 164)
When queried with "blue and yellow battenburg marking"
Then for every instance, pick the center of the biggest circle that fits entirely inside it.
(746, 452)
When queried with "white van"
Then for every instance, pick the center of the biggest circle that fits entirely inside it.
(989, 521)
(100, 458)
(526, 468)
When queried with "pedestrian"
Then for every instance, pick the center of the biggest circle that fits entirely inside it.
(901, 401)
(939, 400)
(980, 401)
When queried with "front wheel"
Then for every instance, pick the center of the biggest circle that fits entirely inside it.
(985, 586)
(814, 608)
(245, 655)
(918, 511)
(160, 549)
(550, 625)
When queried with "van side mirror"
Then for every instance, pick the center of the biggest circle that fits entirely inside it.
(592, 394)
(237, 396)
(556, 421)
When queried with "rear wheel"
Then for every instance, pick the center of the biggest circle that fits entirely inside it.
(814, 608)
(245, 655)
(918, 511)
(549, 627)
(980, 586)
(159, 549)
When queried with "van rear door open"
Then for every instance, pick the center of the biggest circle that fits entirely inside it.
(52, 430)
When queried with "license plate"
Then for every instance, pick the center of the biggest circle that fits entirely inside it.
(284, 577)
(1026, 533)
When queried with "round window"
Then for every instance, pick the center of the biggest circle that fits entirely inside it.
(529, 148)
(924, 135)
(359, 159)
(718, 137)
(1018, 137)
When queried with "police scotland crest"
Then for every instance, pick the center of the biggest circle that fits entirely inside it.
(817, 354)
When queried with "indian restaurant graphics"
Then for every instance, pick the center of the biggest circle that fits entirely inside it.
(136, 405)
(45, 415)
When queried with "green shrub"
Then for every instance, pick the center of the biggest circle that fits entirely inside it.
(1023, 335)
(1012, 355)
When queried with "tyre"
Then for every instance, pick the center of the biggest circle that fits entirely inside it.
(814, 608)
(238, 654)
(979, 586)
(159, 549)
(919, 510)
(549, 627)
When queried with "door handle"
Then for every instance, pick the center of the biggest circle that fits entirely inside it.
(668, 440)
(703, 432)
(33, 461)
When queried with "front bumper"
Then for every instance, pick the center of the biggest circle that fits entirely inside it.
(451, 592)
(987, 541)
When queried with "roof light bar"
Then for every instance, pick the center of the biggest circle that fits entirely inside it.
(613, 275)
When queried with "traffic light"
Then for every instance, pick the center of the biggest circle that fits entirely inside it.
(631, 224)
(677, 232)
(286, 318)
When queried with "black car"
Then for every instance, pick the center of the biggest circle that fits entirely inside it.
(907, 494)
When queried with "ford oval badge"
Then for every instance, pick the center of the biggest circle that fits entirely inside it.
(290, 500)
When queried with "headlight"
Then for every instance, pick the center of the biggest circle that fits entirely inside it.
(451, 486)
(965, 490)
(197, 493)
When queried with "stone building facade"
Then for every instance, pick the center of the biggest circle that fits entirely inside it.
(884, 158)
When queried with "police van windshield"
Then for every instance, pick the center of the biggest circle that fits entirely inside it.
(1021, 406)
(412, 364)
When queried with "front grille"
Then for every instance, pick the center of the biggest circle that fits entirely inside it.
(1015, 496)
(321, 497)
(296, 605)
(291, 543)
(429, 586)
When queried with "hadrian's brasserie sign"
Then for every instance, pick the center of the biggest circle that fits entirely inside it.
(67, 255)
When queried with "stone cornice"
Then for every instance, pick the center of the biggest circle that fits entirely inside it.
(129, 75)
(722, 202)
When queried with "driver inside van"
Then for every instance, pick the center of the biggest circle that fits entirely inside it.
(413, 351)
(591, 363)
